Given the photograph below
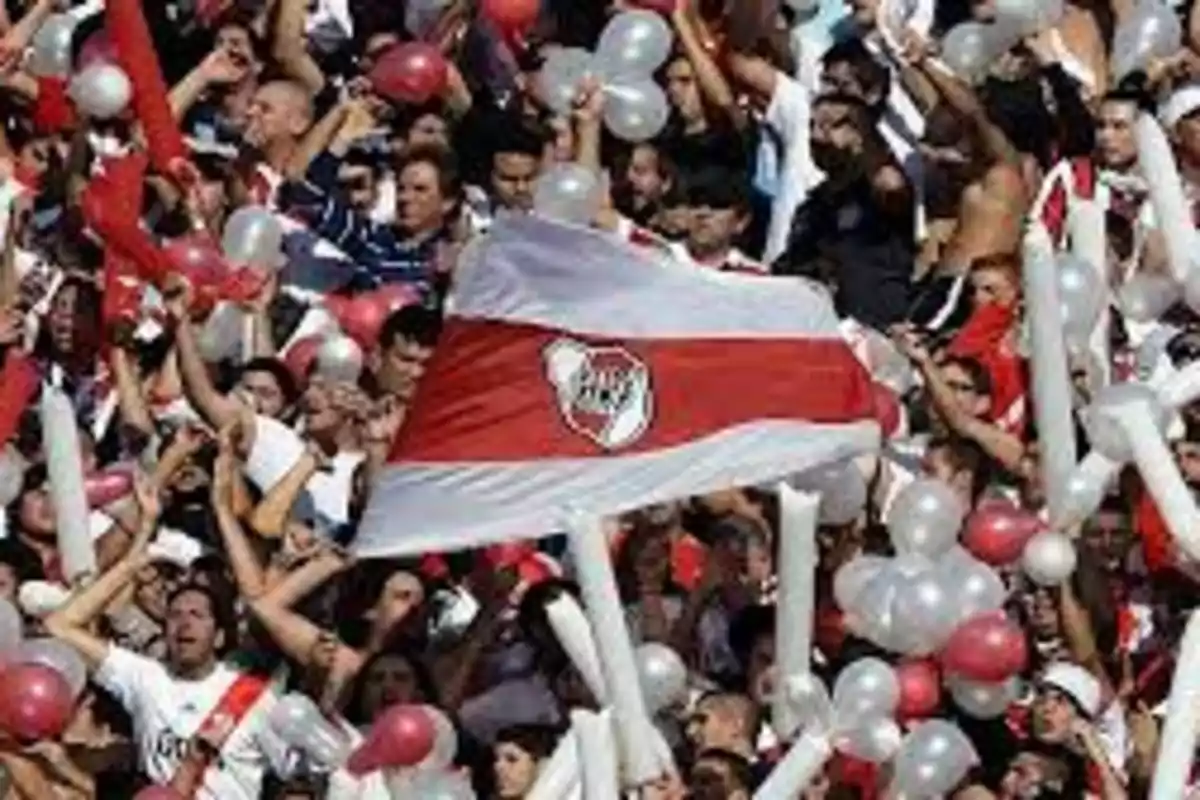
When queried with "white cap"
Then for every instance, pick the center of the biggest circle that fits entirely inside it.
(1182, 102)
(1075, 682)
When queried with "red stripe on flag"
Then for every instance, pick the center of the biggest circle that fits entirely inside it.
(487, 394)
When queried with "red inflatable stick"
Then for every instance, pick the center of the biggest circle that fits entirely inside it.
(130, 35)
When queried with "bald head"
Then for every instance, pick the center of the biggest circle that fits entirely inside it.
(279, 114)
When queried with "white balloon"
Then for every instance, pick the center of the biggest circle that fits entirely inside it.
(854, 576)
(969, 49)
(842, 488)
(635, 111)
(1146, 297)
(933, 758)
(101, 91)
(972, 584)
(1100, 418)
(1029, 16)
(568, 193)
(875, 741)
(445, 742)
(253, 235)
(339, 358)
(562, 73)
(662, 675)
(430, 785)
(633, 45)
(924, 613)
(982, 700)
(1049, 558)
(50, 54)
(871, 616)
(1081, 295)
(1152, 30)
(59, 656)
(300, 724)
(865, 690)
(1191, 285)
(925, 518)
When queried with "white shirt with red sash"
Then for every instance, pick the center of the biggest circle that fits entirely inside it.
(167, 712)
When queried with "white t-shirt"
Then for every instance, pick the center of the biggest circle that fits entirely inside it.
(277, 448)
(168, 711)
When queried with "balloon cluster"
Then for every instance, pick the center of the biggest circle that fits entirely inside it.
(936, 598)
(1151, 31)
(413, 744)
(100, 89)
(969, 48)
(632, 47)
(42, 680)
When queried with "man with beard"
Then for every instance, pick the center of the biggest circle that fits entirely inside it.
(855, 231)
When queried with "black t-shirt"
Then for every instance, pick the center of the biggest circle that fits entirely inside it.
(842, 236)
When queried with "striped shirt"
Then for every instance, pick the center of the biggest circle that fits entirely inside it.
(379, 251)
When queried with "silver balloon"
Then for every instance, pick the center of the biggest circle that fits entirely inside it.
(445, 742)
(969, 49)
(854, 576)
(301, 725)
(58, 656)
(633, 45)
(430, 785)
(871, 615)
(101, 90)
(876, 741)
(562, 73)
(339, 358)
(842, 488)
(662, 675)
(865, 690)
(1081, 295)
(11, 629)
(924, 612)
(635, 111)
(973, 585)
(1049, 558)
(1029, 16)
(254, 236)
(1151, 31)
(1191, 283)
(1100, 418)
(982, 700)
(925, 518)
(932, 760)
(568, 193)
(50, 55)
(1146, 297)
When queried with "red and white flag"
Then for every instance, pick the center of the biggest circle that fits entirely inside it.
(576, 371)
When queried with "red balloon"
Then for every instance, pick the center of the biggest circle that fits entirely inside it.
(512, 16)
(887, 409)
(108, 486)
(920, 689)
(996, 533)
(661, 6)
(412, 72)
(988, 647)
(402, 737)
(301, 355)
(394, 296)
(158, 793)
(36, 702)
(363, 315)
(198, 258)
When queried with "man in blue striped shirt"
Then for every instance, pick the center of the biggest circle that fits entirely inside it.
(428, 204)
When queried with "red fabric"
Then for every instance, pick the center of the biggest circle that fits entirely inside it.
(130, 35)
(53, 111)
(688, 556)
(486, 371)
(231, 709)
(18, 384)
(1158, 549)
(119, 194)
(983, 339)
(1058, 204)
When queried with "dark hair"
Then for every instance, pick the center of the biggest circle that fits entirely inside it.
(975, 371)
(355, 713)
(87, 338)
(277, 370)
(536, 740)
(964, 455)
(442, 160)
(415, 323)
(875, 77)
(221, 607)
(21, 560)
(739, 768)
(518, 138)
(862, 114)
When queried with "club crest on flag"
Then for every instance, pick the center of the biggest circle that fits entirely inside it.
(604, 392)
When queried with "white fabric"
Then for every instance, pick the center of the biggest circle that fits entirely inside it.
(166, 713)
(788, 114)
(1182, 102)
(521, 274)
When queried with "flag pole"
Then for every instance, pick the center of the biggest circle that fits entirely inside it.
(598, 586)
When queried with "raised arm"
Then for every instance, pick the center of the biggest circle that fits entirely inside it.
(270, 517)
(217, 69)
(72, 622)
(248, 570)
(963, 101)
(217, 409)
(134, 412)
(290, 48)
(711, 80)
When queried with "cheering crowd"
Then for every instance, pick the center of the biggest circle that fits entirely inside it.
(231, 234)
